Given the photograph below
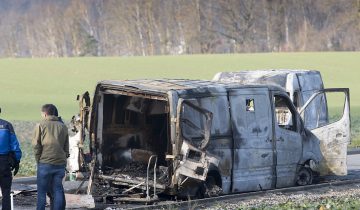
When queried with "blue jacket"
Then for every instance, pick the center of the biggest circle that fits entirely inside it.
(8, 140)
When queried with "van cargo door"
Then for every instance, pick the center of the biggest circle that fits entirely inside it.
(253, 161)
(333, 129)
(194, 127)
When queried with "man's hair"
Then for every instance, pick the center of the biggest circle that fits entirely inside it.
(49, 109)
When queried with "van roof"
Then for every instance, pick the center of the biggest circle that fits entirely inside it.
(308, 79)
(165, 85)
(272, 72)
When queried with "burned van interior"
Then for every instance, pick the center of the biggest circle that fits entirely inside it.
(284, 115)
(135, 136)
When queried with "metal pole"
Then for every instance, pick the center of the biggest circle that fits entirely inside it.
(155, 196)
(147, 176)
(12, 200)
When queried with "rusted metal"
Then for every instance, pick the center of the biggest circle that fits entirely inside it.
(140, 155)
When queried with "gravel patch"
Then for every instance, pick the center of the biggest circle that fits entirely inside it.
(271, 199)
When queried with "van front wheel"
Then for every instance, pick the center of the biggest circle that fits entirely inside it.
(211, 188)
(304, 176)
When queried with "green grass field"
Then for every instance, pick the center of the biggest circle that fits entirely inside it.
(26, 84)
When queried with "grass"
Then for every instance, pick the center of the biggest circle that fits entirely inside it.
(355, 127)
(24, 133)
(26, 84)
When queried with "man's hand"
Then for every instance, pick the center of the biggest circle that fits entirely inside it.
(16, 168)
(14, 164)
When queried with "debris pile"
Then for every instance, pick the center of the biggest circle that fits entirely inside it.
(130, 179)
(131, 170)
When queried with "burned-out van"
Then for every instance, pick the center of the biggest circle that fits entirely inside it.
(321, 111)
(193, 137)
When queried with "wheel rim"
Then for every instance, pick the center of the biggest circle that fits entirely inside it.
(304, 177)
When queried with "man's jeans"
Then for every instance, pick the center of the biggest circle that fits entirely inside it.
(49, 179)
(5, 181)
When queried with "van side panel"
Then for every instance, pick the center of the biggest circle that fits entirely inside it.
(221, 140)
(253, 167)
(288, 140)
(220, 144)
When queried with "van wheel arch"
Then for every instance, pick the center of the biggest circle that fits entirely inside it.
(213, 184)
(304, 175)
(215, 174)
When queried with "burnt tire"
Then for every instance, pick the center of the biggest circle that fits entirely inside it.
(211, 188)
(305, 176)
(208, 188)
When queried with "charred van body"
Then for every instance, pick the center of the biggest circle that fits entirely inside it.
(198, 138)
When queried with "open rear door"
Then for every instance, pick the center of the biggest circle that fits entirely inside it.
(84, 106)
(333, 129)
(194, 127)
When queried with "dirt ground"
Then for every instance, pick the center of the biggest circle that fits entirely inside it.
(27, 198)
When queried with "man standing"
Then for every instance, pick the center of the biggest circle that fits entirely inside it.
(51, 148)
(10, 155)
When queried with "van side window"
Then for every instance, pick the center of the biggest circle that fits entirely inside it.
(192, 123)
(218, 107)
(284, 115)
(250, 106)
